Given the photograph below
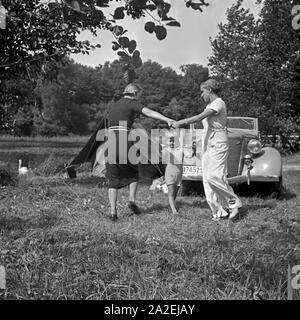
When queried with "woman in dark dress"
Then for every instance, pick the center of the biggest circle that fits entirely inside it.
(121, 171)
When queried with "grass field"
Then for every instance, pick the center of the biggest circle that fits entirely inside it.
(58, 243)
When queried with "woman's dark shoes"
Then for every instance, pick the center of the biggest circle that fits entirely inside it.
(113, 218)
(133, 208)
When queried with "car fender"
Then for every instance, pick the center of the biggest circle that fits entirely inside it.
(266, 164)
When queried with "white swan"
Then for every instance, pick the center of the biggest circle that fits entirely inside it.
(22, 170)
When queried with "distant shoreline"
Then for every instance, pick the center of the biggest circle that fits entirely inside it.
(80, 139)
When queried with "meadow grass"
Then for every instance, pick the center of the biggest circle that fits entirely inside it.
(58, 243)
(292, 159)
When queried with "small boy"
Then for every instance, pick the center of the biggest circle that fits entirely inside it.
(173, 154)
(173, 173)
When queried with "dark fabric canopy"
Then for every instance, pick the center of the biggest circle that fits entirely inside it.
(88, 154)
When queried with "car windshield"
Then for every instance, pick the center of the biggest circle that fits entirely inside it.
(241, 123)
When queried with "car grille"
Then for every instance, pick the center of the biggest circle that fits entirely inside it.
(235, 147)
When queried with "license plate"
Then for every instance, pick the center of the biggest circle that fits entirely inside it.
(192, 170)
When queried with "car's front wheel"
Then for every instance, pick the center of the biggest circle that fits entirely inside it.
(276, 188)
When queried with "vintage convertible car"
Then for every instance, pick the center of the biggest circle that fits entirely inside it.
(249, 162)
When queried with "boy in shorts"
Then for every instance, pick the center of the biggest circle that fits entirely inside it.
(174, 168)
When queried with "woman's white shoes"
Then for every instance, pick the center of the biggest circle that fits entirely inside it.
(234, 207)
(215, 217)
(221, 214)
(234, 212)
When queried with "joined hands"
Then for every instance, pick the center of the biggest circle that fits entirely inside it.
(171, 124)
(175, 124)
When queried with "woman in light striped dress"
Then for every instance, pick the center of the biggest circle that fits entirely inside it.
(215, 148)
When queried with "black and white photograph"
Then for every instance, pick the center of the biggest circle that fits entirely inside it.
(150, 153)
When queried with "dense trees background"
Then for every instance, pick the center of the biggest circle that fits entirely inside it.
(44, 92)
(36, 38)
(76, 101)
(255, 60)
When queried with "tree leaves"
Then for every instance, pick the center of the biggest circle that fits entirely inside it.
(71, 4)
(115, 45)
(137, 62)
(136, 54)
(75, 5)
(132, 46)
(126, 50)
(196, 6)
(119, 13)
(253, 59)
(151, 7)
(174, 24)
(149, 26)
(102, 3)
(38, 32)
(124, 42)
(118, 30)
(129, 75)
(161, 32)
(163, 9)
(123, 55)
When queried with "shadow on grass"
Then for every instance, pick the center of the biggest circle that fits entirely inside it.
(287, 195)
(155, 207)
(263, 191)
(19, 224)
(256, 189)
(245, 210)
(88, 181)
(197, 203)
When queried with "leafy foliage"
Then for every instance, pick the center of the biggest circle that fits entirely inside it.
(37, 30)
(39, 35)
(254, 59)
(79, 98)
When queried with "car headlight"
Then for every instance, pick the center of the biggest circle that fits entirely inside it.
(254, 146)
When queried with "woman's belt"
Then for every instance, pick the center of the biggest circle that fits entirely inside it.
(118, 128)
(224, 129)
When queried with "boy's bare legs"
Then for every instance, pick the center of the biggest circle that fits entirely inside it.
(172, 194)
(176, 191)
(113, 195)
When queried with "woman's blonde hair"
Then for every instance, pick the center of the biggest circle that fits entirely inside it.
(211, 84)
(132, 89)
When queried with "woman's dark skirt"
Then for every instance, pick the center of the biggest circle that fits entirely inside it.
(120, 172)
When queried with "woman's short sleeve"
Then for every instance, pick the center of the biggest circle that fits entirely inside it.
(137, 107)
(217, 105)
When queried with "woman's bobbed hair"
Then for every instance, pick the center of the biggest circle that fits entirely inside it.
(132, 89)
(211, 84)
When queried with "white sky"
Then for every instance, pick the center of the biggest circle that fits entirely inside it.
(185, 45)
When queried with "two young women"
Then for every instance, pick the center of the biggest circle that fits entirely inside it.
(218, 192)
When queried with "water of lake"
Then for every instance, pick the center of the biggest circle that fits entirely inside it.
(35, 152)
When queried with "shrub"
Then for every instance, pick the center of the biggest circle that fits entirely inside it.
(54, 164)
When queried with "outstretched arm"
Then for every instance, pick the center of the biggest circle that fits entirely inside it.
(156, 115)
(196, 118)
